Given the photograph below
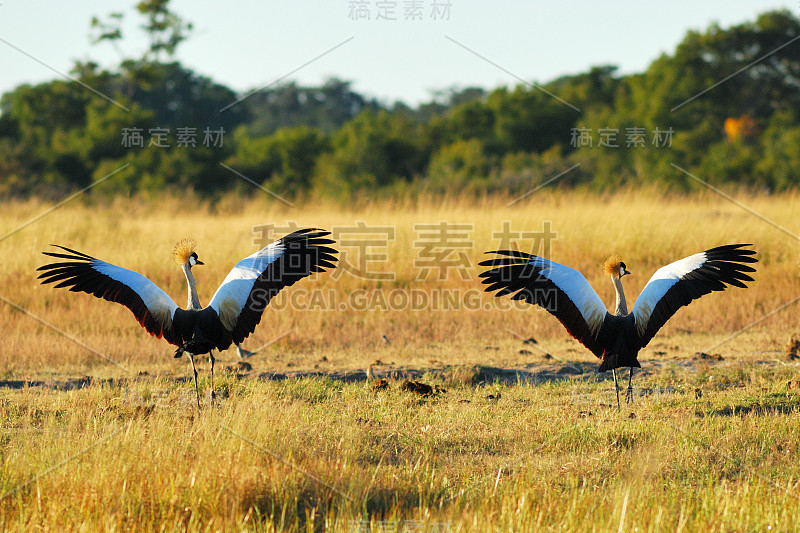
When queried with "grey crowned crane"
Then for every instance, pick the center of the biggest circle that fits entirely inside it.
(616, 338)
(234, 310)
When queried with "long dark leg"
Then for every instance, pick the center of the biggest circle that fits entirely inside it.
(213, 391)
(616, 386)
(196, 388)
(629, 395)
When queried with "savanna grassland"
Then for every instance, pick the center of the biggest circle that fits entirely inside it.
(99, 431)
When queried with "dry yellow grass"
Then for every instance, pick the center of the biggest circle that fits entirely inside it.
(646, 231)
(314, 454)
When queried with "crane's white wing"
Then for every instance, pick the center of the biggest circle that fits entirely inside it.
(151, 306)
(560, 290)
(256, 279)
(678, 283)
(237, 285)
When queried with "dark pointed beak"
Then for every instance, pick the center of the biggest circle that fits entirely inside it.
(626, 272)
(198, 262)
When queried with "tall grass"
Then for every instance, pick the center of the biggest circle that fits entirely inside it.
(344, 316)
(130, 452)
(314, 454)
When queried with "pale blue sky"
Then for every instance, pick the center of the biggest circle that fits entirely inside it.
(249, 44)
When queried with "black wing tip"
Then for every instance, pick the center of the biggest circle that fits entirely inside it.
(74, 258)
(305, 233)
(510, 257)
(312, 237)
(75, 254)
(512, 253)
(735, 250)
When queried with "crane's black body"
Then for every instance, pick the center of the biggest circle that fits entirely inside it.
(620, 343)
(200, 331)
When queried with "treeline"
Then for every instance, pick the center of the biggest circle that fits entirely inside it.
(722, 108)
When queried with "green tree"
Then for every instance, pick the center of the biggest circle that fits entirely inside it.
(327, 107)
(779, 161)
(462, 165)
(373, 150)
(285, 161)
(528, 119)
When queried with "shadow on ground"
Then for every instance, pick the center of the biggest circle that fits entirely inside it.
(530, 373)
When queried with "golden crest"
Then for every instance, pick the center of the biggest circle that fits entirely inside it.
(183, 250)
(611, 265)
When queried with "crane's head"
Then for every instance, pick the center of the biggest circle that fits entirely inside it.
(614, 267)
(184, 253)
